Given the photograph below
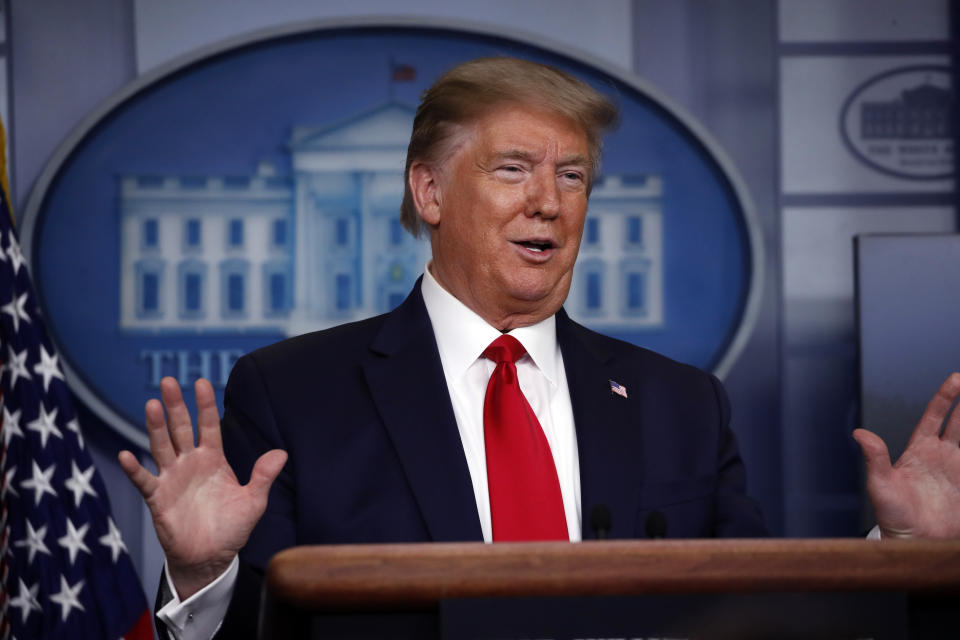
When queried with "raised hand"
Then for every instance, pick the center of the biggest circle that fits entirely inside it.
(919, 496)
(203, 516)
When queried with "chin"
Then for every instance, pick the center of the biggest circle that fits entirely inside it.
(534, 285)
(545, 296)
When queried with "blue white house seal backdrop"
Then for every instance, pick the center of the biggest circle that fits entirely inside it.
(253, 194)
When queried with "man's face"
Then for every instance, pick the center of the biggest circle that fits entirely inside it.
(506, 213)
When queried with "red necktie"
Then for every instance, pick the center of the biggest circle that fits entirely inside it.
(525, 500)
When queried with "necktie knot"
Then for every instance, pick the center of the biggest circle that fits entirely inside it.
(506, 348)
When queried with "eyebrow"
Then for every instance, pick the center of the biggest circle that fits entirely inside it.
(514, 154)
(577, 159)
(519, 154)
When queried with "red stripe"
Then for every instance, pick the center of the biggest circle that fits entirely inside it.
(143, 629)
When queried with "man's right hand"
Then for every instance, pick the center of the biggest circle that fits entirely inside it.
(203, 516)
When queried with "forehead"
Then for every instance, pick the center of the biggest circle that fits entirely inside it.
(519, 127)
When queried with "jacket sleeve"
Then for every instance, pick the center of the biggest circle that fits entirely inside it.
(737, 514)
(249, 430)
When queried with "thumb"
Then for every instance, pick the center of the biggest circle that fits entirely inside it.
(875, 454)
(265, 471)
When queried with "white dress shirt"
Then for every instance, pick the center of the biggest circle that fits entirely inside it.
(461, 337)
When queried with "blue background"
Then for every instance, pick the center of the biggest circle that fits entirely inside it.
(225, 114)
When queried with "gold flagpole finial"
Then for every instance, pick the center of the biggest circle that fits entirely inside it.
(4, 181)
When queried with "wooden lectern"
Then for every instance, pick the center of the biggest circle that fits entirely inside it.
(305, 582)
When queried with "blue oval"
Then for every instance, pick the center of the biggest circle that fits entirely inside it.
(212, 124)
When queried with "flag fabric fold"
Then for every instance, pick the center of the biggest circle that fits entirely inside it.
(64, 568)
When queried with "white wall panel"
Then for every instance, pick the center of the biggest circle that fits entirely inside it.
(818, 278)
(862, 20)
(818, 243)
(813, 91)
(165, 30)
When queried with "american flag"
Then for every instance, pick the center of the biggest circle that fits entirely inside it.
(402, 72)
(618, 389)
(64, 569)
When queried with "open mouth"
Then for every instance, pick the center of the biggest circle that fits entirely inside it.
(538, 247)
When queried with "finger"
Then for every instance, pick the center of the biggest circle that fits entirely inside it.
(951, 433)
(143, 480)
(178, 416)
(875, 454)
(936, 411)
(208, 416)
(160, 445)
(265, 471)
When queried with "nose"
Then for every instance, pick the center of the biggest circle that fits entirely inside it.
(545, 195)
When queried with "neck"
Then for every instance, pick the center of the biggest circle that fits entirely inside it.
(503, 321)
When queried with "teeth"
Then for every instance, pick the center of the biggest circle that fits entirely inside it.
(534, 246)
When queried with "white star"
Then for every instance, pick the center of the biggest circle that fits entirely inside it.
(74, 425)
(67, 598)
(8, 484)
(34, 541)
(27, 600)
(17, 364)
(47, 367)
(15, 308)
(40, 482)
(45, 425)
(73, 541)
(11, 426)
(79, 483)
(16, 257)
(113, 540)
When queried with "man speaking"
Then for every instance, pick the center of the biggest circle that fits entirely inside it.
(477, 410)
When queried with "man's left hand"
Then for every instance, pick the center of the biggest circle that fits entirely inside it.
(919, 496)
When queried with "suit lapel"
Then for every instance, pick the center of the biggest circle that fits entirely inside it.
(608, 433)
(409, 389)
(410, 392)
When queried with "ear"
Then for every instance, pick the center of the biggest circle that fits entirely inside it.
(425, 189)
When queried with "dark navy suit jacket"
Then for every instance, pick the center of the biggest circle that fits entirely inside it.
(375, 454)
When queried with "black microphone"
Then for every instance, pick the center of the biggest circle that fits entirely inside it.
(600, 520)
(656, 525)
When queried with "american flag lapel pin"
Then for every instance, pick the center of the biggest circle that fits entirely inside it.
(617, 388)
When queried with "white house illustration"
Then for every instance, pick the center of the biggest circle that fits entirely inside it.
(323, 246)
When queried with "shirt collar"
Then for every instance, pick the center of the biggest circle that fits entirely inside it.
(462, 335)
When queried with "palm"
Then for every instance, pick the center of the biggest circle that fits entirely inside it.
(199, 508)
(920, 494)
(201, 513)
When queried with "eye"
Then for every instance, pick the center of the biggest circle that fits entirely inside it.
(511, 172)
(572, 177)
